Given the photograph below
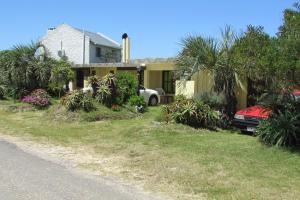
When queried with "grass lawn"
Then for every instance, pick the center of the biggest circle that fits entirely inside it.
(179, 161)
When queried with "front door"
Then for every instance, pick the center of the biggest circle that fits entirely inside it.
(168, 82)
(80, 79)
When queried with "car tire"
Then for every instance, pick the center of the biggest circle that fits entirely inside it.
(153, 101)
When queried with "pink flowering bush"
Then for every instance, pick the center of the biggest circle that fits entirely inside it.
(38, 98)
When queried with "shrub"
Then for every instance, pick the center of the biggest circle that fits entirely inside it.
(38, 98)
(77, 100)
(126, 86)
(104, 96)
(282, 128)
(95, 82)
(191, 112)
(107, 90)
(137, 101)
(2, 91)
(61, 74)
(115, 107)
(213, 100)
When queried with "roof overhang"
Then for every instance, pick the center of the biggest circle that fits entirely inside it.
(106, 65)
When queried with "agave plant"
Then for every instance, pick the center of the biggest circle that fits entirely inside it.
(281, 129)
(190, 112)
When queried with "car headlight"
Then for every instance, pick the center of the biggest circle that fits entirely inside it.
(242, 117)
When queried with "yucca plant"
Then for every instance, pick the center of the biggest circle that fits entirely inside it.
(78, 100)
(104, 95)
(190, 112)
(281, 129)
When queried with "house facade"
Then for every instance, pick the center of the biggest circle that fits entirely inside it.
(80, 47)
(96, 54)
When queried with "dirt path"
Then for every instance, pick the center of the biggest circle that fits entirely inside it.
(20, 155)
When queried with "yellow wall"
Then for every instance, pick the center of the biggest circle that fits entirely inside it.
(153, 73)
(186, 88)
(162, 66)
(155, 79)
(204, 81)
(241, 92)
(103, 71)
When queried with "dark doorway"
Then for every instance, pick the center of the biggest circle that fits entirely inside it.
(80, 79)
(168, 82)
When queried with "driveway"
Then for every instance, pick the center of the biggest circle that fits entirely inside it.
(25, 176)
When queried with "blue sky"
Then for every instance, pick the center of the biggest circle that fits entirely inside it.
(154, 26)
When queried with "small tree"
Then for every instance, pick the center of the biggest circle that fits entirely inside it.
(61, 74)
(201, 53)
(21, 71)
(126, 86)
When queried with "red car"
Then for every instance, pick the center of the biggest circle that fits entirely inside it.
(247, 119)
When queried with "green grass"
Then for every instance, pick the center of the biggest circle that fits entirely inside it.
(177, 160)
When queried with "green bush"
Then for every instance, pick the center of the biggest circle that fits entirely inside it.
(107, 91)
(126, 86)
(137, 101)
(191, 112)
(61, 74)
(104, 95)
(282, 128)
(213, 100)
(78, 100)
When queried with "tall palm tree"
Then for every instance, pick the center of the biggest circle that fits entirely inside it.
(200, 53)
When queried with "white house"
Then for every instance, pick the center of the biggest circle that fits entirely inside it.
(81, 47)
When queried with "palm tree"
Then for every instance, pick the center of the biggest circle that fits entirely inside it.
(22, 70)
(200, 53)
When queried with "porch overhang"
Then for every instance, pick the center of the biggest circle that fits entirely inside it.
(106, 65)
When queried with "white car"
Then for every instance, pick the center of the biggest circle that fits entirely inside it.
(151, 96)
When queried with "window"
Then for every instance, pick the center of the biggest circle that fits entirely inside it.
(98, 52)
(168, 82)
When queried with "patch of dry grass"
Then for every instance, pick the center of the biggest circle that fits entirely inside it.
(174, 159)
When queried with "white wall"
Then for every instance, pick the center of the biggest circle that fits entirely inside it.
(71, 41)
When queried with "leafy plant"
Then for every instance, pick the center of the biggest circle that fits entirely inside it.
(39, 98)
(201, 53)
(212, 99)
(21, 71)
(104, 96)
(61, 74)
(115, 107)
(137, 101)
(95, 82)
(107, 90)
(77, 100)
(126, 86)
(191, 112)
(281, 129)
